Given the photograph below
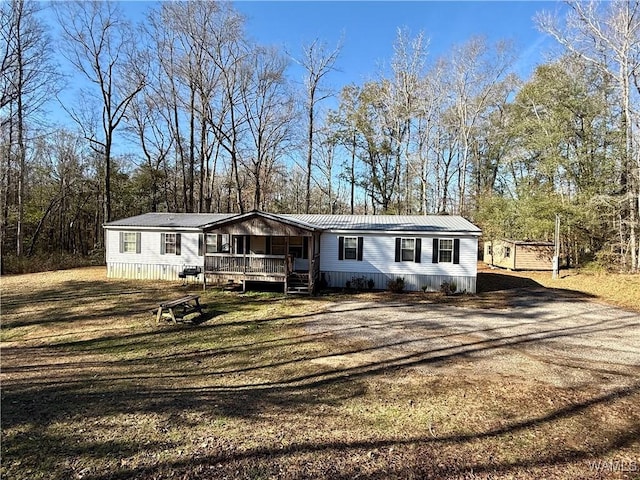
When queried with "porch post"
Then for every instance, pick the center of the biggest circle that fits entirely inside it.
(311, 262)
(286, 264)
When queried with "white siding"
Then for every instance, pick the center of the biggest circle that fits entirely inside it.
(150, 263)
(378, 262)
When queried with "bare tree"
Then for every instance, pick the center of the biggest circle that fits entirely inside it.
(478, 70)
(146, 125)
(317, 62)
(99, 43)
(269, 110)
(343, 125)
(607, 35)
(408, 68)
(28, 81)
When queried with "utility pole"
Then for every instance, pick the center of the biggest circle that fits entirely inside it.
(556, 250)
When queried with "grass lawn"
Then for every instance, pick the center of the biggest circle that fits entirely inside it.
(93, 389)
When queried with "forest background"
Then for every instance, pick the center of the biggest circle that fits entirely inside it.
(216, 123)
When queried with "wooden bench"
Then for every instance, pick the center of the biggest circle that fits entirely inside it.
(189, 304)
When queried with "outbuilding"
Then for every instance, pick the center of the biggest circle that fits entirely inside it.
(519, 255)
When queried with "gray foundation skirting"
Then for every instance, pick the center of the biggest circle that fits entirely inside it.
(413, 282)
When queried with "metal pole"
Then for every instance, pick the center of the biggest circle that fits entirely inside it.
(556, 250)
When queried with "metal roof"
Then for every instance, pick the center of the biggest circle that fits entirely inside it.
(170, 220)
(391, 223)
(532, 243)
(387, 223)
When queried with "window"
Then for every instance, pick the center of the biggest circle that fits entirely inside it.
(278, 246)
(211, 243)
(408, 249)
(445, 251)
(350, 248)
(507, 252)
(129, 242)
(170, 243)
(296, 247)
(224, 244)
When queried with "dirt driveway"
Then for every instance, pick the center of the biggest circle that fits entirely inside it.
(563, 340)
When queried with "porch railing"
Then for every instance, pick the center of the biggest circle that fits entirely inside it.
(251, 264)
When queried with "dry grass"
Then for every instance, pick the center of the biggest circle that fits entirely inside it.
(93, 389)
(622, 290)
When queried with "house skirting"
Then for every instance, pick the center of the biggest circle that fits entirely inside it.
(143, 271)
(412, 282)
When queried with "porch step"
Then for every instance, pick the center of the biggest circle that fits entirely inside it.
(299, 290)
(298, 283)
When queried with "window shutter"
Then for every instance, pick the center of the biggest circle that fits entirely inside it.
(418, 250)
(200, 244)
(121, 242)
(138, 242)
(360, 245)
(434, 257)
(178, 243)
(163, 243)
(340, 248)
(398, 240)
(456, 250)
(218, 242)
(239, 244)
(267, 245)
(305, 247)
(248, 243)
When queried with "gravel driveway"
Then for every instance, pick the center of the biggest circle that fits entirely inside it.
(563, 340)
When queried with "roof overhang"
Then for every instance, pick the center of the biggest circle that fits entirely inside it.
(407, 233)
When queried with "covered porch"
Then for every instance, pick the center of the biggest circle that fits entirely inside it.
(259, 247)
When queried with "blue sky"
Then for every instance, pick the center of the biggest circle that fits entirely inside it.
(369, 28)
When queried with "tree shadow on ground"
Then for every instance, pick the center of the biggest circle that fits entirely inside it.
(251, 379)
(493, 282)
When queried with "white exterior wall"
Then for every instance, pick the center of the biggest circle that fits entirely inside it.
(378, 262)
(150, 263)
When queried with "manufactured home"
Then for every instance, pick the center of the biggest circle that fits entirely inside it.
(301, 252)
(519, 255)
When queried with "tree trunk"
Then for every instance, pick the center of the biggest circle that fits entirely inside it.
(352, 178)
(307, 202)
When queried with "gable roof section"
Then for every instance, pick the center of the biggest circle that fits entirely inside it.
(357, 223)
(286, 219)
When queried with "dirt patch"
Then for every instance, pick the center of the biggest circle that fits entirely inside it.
(561, 341)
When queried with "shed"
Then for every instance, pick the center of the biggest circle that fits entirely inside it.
(519, 255)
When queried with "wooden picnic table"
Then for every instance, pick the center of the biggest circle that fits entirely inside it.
(188, 303)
